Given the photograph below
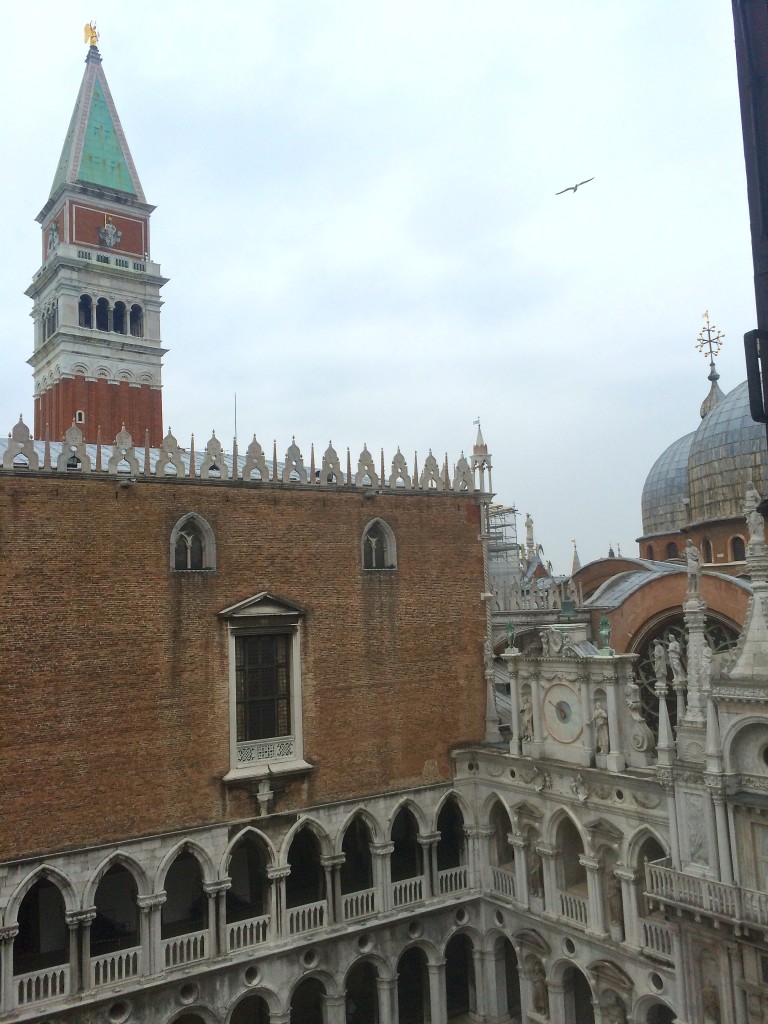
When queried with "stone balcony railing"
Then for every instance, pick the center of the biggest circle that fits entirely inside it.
(251, 932)
(718, 900)
(574, 908)
(102, 972)
(112, 968)
(185, 949)
(40, 986)
(658, 939)
(123, 261)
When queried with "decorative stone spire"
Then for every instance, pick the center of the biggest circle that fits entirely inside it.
(481, 462)
(576, 560)
(709, 343)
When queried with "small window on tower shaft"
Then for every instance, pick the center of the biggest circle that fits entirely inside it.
(102, 315)
(119, 318)
(137, 321)
(85, 311)
(738, 551)
(79, 416)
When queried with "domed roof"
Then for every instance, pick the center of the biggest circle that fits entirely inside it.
(728, 450)
(703, 476)
(664, 510)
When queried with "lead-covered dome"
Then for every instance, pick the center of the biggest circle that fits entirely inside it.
(665, 493)
(728, 450)
(703, 476)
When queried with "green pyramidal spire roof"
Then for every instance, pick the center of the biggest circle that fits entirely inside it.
(95, 150)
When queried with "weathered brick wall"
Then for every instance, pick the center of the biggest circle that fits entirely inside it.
(113, 669)
(106, 405)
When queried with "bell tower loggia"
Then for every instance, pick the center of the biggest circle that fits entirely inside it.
(97, 350)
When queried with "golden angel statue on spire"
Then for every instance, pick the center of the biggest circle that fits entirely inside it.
(90, 35)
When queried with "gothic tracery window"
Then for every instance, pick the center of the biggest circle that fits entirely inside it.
(193, 545)
(379, 546)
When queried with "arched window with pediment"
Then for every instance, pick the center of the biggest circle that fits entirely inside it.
(193, 544)
(378, 546)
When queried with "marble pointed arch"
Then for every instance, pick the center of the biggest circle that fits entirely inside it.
(201, 855)
(562, 814)
(20, 445)
(422, 820)
(59, 878)
(467, 811)
(378, 531)
(170, 455)
(195, 521)
(492, 799)
(118, 858)
(362, 812)
(250, 832)
(636, 841)
(314, 826)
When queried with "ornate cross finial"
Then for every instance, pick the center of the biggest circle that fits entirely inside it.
(709, 340)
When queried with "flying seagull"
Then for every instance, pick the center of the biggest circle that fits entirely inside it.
(574, 187)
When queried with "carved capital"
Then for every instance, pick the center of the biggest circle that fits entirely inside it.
(220, 885)
(381, 849)
(277, 871)
(589, 863)
(155, 899)
(546, 851)
(428, 839)
(76, 917)
(333, 860)
(9, 933)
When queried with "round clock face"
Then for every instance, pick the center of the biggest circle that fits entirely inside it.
(562, 713)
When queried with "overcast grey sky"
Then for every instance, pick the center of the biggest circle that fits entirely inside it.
(356, 208)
